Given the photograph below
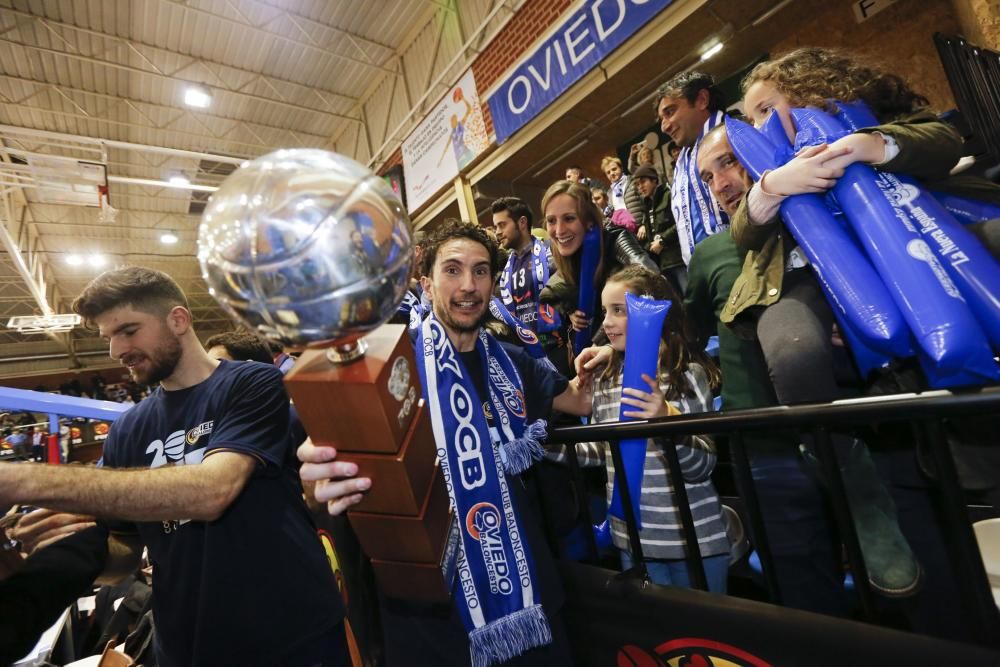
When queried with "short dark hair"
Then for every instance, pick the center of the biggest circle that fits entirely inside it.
(457, 229)
(688, 85)
(516, 207)
(242, 346)
(575, 167)
(143, 289)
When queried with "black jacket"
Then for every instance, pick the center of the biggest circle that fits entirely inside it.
(621, 248)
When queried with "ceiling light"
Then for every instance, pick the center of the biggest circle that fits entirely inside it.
(711, 52)
(74, 260)
(97, 260)
(197, 97)
(168, 238)
(179, 180)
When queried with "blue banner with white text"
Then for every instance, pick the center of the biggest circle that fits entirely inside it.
(577, 46)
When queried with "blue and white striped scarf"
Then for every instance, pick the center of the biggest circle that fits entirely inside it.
(496, 595)
(695, 210)
(541, 254)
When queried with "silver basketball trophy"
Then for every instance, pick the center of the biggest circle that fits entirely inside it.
(312, 249)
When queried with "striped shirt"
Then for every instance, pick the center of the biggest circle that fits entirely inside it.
(661, 534)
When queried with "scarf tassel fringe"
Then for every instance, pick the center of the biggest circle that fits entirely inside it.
(509, 637)
(521, 454)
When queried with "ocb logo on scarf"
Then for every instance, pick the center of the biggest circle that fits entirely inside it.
(484, 523)
(467, 442)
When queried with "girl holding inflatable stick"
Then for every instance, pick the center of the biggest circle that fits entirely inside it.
(686, 379)
(569, 216)
(914, 152)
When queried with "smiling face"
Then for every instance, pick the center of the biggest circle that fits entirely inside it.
(761, 98)
(682, 120)
(142, 342)
(564, 224)
(722, 172)
(460, 284)
(615, 314)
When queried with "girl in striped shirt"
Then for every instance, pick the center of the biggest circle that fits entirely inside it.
(686, 379)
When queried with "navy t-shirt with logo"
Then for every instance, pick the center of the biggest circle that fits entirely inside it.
(255, 584)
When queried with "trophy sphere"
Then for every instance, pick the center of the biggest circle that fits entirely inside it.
(307, 247)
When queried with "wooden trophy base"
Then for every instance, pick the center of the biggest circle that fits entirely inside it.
(401, 480)
(407, 538)
(422, 582)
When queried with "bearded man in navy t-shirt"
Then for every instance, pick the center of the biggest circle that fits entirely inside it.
(207, 483)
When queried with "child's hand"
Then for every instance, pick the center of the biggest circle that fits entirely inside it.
(814, 169)
(590, 359)
(579, 320)
(864, 147)
(650, 404)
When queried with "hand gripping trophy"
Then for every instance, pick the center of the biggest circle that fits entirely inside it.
(312, 249)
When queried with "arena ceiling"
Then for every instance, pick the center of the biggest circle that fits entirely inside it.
(97, 91)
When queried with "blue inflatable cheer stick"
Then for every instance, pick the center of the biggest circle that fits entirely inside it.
(590, 257)
(848, 279)
(926, 295)
(975, 272)
(775, 133)
(856, 115)
(968, 211)
(642, 350)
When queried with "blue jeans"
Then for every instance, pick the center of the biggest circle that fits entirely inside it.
(675, 572)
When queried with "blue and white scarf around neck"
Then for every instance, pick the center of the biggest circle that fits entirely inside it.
(495, 593)
(695, 210)
(548, 319)
(525, 335)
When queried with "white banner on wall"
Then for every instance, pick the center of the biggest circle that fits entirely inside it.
(451, 136)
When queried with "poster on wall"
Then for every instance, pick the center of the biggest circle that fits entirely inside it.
(451, 136)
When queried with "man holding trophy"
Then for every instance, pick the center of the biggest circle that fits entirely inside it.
(512, 593)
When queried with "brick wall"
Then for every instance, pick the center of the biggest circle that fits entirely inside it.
(900, 38)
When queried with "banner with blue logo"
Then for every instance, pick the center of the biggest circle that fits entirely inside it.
(577, 46)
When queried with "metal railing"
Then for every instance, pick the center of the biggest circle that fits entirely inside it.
(925, 412)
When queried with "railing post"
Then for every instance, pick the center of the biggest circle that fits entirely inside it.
(845, 521)
(692, 550)
(635, 544)
(581, 494)
(974, 585)
(748, 490)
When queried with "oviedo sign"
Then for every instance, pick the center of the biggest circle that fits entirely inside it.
(577, 46)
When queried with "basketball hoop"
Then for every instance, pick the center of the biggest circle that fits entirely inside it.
(40, 324)
(107, 212)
